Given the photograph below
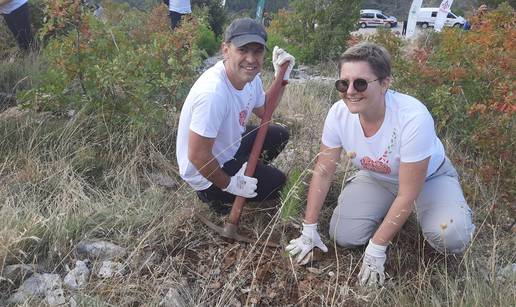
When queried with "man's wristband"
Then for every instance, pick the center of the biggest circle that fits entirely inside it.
(284, 82)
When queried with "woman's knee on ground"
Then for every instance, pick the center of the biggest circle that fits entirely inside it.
(450, 236)
(351, 233)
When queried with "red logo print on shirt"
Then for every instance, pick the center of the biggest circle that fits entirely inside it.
(242, 116)
(375, 166)
(382, 164)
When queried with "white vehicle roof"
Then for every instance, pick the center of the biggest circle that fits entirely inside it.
(371, 11)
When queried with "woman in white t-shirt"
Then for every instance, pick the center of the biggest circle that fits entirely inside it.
(390, 138)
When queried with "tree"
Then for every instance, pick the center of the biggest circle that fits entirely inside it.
(217, 16)
(316, 29)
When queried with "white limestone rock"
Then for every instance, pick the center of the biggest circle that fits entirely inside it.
(78, 277)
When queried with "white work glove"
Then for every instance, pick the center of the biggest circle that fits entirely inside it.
(242, 185)
(372, 271)
(280, 56)
(305, 243)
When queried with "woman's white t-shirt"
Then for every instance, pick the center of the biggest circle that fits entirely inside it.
(215, 109)
(11, 6)
(407, 135)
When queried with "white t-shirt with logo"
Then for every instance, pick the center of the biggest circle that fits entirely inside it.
(407, 134)
(215, 109)
(180, 6)
(9, 7)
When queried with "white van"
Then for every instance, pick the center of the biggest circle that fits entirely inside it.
(427, 15)
(374, 18)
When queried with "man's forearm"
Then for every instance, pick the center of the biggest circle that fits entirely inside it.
(210, 169)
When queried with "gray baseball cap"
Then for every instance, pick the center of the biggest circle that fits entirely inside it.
(243, 31)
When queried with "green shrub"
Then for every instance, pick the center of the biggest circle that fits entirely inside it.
(319, 29)
(120, 70)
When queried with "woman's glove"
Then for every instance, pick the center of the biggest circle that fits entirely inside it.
(242, 185)
(280, 56)
(372, 271)
(305, 243)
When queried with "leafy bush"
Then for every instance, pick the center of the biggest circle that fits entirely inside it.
(128, 69)
(216, 14)
(315, 30)
(207, 40)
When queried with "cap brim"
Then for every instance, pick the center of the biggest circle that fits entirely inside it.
(242, 40)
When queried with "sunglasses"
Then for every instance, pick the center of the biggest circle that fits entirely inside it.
(359, 85)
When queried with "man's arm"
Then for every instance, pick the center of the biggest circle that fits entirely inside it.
(200, 154)
(411, 179)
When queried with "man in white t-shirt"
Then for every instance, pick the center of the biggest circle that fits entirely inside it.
(213, 139)
(16, 16)
(177, 9)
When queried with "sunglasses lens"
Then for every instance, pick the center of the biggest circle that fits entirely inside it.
(342, 85)
(360, 85)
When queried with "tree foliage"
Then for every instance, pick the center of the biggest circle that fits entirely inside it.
(217, 16)
(315, 30)
(127, 68)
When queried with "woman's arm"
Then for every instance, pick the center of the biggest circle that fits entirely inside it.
(321, 179)
(411, 179)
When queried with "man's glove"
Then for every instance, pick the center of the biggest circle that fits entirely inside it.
(372, 271)
(305, 243)
(242, 185)
(280, 56)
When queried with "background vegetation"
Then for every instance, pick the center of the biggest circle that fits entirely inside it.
(84, 154)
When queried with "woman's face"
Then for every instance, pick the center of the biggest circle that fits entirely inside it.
(366, 101)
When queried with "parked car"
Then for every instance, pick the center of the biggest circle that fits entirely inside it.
(375, 18)
(427, 15)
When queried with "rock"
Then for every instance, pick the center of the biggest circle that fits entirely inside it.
(100, 250)
(163, 180)
(78, 277)
(507, 273)
(72, 302)
(12, 113)
(17, 272)
(109, 269)
(172, 299)
(40, 285)
(209, 62)
(55, 297)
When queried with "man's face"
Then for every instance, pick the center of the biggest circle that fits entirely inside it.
(243, 63)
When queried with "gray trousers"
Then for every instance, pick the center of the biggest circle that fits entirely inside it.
(441, 210)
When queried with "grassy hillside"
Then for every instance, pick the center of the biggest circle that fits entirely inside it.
(100, 164)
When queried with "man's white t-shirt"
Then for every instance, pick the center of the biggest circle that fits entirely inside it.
(180, 6)
(407, 134)
(215, 109)
(11, 6)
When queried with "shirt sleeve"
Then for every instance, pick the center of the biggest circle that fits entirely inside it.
(208, 114)
(260, 93)
(330, 135)
(417, 138)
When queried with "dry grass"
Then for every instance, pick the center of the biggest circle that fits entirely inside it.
(61, 181)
